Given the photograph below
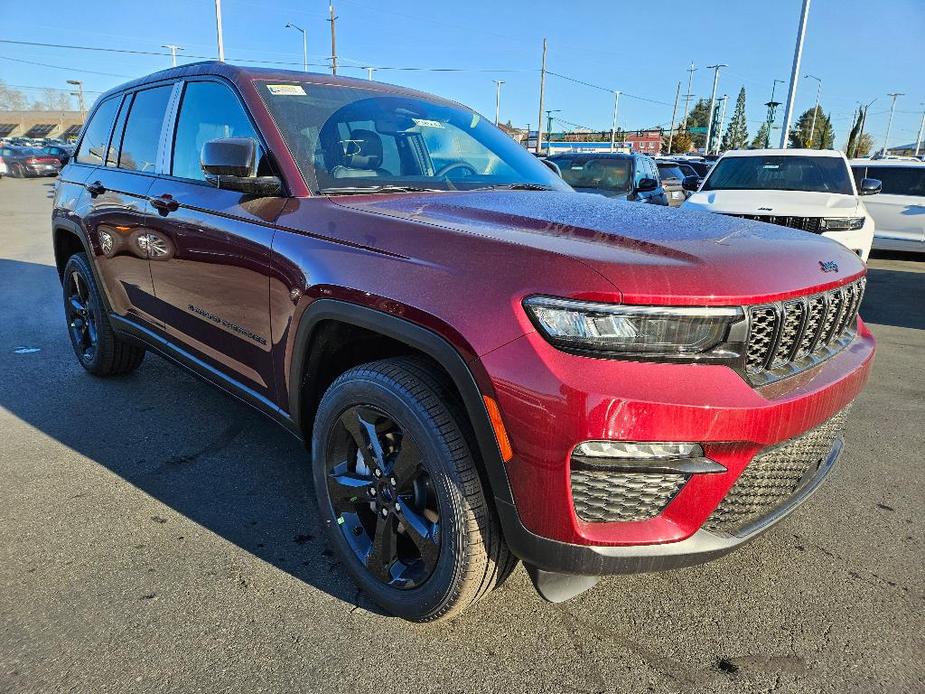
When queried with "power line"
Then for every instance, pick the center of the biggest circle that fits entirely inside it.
(63, 67)
(606, 89)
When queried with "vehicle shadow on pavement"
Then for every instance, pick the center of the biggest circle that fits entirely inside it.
(906, 289)
(185, 443)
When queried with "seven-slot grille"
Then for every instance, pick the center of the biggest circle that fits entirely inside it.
(812, 224)
(774, 476)
(788, 337)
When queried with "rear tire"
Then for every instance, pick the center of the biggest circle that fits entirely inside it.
(397, 417)
(99, 350)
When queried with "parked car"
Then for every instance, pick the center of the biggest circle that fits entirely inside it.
(632, 177)
(484, 365)
(28, 161)
(61, 153)
(3, 168)
(698, 167)
(899, 209)
(808, 189)
(671, 177)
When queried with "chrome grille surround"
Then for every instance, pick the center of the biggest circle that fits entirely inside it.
(605, 496)
(774, 477)
(788, 337)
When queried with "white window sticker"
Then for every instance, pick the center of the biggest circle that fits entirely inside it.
(286, 89)
(424, 123)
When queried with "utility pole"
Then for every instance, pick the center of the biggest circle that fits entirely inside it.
(772, 109)
(539, 126)
(715, 68)
(674, 112)
(173, 52)
(812, 128)
(304, 45)
(889, 125)
(333, 38)
(498, 84)
(687, 97)
(613, 123)
(918, 138)
(794, 72)
(80, 98)
(218, 30)
(719, 124)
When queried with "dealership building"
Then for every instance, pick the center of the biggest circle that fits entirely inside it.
(59, 124)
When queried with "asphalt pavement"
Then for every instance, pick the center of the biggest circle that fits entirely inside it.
(156, 535)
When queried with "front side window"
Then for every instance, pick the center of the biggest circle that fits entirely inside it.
(348, 139)
(143, 129)
(96, 136)
(209, 111)
(601, 174)
(774, 172)
(899, 180)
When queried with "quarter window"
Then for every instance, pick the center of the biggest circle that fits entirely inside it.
(96, 137)
(143, 129)
(209, 111)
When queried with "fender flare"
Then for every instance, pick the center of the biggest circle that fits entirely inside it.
(421, 339)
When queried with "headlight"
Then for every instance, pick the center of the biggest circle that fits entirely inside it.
(841, 223)
(645, 331)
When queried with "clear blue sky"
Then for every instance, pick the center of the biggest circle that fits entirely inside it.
(862, 49)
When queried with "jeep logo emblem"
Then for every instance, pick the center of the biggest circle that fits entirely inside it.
(828, 266)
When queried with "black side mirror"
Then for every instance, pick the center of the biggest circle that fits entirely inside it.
(646, 185)
(870, 186)
(231, 163)
(691, 183)
(553, 166)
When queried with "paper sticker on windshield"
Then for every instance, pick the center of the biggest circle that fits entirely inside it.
(475, 120)
(424, 123)
(286, 89)
(773, 167)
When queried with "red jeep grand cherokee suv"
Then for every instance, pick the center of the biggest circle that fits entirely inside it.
(485, 365)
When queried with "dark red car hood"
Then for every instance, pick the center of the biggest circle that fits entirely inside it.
(650, 253)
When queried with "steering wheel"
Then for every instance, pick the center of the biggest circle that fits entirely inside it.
(453, 166)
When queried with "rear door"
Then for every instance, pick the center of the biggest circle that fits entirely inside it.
(210, 249)
(117, 202)
(899, 209)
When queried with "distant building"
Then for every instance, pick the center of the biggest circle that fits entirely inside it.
(60, 124)
(645, 141)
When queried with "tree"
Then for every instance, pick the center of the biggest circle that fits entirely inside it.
(760, 141)
(12, 99)
(698, 118)
(736, 136)
(53, 100)
(822, 138)
(681, 143)
(852, 146)
(865, 144)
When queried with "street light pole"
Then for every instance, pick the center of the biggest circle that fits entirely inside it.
(715, 68)
(772, 109)
(173, 52)
(549, 113)
(812, 128)
(863, 123)
(80, 98)
(889, 125)
(218, 30)
(304, 45)
(674, 112)
(722, 119)
(539, 125)
(498, 84)
(918, 138)
(794, 72)
(613, 123)
(333, 38)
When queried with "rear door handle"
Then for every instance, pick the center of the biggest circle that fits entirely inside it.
(165, 204)
(96, 188)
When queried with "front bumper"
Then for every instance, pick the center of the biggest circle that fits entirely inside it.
(858, 241)
(41, 170)
(559, 400)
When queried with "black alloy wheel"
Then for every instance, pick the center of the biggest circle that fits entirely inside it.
(81, 320)
(383, 498)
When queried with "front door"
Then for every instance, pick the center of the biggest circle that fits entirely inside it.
(209, 248)
(899, 208)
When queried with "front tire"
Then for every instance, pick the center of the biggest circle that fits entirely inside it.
(99, 350)
(400, 494)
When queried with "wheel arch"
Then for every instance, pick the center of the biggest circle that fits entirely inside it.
(416, 340)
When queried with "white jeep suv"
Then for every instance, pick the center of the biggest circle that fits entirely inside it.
(808, 189)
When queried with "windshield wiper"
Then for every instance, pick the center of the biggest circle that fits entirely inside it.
(515, 186)
(364, 190)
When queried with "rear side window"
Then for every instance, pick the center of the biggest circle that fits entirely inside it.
(899, 180)
(96, 137)
(143, 129)
(209, 111)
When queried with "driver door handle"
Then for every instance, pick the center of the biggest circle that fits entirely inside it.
(165, 204)
(96, 188)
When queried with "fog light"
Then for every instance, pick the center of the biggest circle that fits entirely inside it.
(631, 456)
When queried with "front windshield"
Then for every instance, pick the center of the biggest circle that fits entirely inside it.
(348, 140)
(613, 174)
(815, 174)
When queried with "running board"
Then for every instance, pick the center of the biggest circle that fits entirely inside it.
(555, 587)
